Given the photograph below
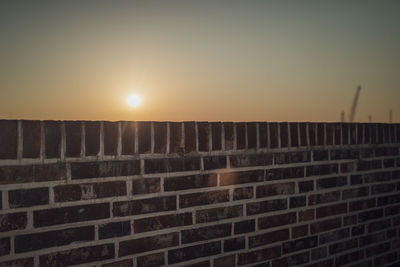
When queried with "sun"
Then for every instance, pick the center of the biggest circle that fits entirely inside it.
(134, 100)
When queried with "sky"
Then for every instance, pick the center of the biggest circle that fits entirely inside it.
(199, 60)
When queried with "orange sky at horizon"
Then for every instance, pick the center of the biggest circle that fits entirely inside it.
(199, 60)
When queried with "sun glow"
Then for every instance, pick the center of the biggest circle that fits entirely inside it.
(134, 100)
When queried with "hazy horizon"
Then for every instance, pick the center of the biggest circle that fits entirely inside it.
(199, 60)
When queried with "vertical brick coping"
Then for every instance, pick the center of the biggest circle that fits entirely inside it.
(94, 193)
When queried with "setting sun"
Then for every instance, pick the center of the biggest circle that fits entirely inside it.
(134, 100)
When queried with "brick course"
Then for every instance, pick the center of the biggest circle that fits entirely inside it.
(199, 194)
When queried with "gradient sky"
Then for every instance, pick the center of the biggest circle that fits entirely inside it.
(199, 60)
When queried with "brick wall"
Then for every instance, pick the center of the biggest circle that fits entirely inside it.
(199, 194)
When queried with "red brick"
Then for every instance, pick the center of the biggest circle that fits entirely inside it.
(73, 138)
(190, 136)
(175, 133)
(151, 260)
(92, 138)
(216, 135)
(162, 222)
(52, 136)
(144, 136)
(203, 129)
(160, 137)
(128, 134)
(12, 221)
(284, 134)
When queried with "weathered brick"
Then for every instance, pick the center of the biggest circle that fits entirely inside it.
(143, 206)
(26, 262)
(337, 154)
(299, 231)
(251, 135)
(275, 189)
(330, 132)
(299, 201)
(243, 193)
(231, 178)
(188, 182)
(376, 177)
(284, 134)
(73, 138)
(273, 134)
(249, 160)
(83, 170)
(291, 157)
(349, 257)
(162, 222)
(228, 135)
(28, 197)
(331, 210)
(215, 162)
(276, 220)
(144, 136)
(320, 253)
(175, 133)
(377, 249)
(190, 136)
(32, 173)
(240, 135)
(382, 188)
(52, 136)
(31, 139)
(203, 198)
(12, 221)
(386, 259)
(172, 165)
(259, 255)
(358, 230)
(299, 244)
(389, 163)
(303, 134)
(379, 225)
(225, 261)
(324, 198)
(360, 133)
(366, 165)
(362, 204)
(312, 132)
(160, 137)
(320, 134)
(128, 137)
(151, 260)
(355, 192)
(345, 133)
(326, 225)
(216, 135)
(92, 138)
(8, 139)
(266, 206)
(1, 200)
(294, 134)
(5, 246)
(293, 260)
(36, 241)
(284, 173)
(198, 264)
(306, 215)
(342, 246)
(334, 236)
(114, 229)
(387, 200)
(243, 227)
(77, 256)
(263, 134)
(123, 263)
(206, 233)
(330, 182)
(321, 169)
(320, 155)
(72, 214)
(371, 238)
(194, 252)
(139, 245)
(306, 186)
(370, 215)
(74, 192)
(268, 238)
(234, 244)
(145, 186)
(217, 214)
(203, 129)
